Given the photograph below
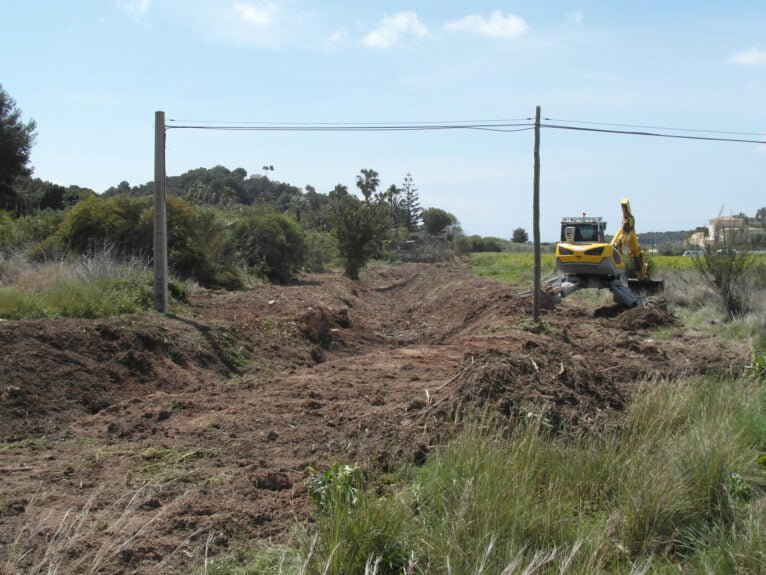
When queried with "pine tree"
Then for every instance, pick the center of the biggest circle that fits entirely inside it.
(410, 204)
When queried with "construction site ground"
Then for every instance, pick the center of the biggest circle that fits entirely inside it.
(143, 443)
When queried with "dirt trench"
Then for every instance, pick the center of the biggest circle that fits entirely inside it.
(139, 443)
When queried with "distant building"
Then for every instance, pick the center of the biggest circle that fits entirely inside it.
(726, 229)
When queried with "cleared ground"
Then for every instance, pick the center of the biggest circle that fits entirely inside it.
(141, 443)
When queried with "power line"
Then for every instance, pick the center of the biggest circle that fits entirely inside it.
(507, 126)
(655, 127)
(498, 127)
(399, 123)
(654, 134)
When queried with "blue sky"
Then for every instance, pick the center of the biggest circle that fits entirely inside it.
(92, 73)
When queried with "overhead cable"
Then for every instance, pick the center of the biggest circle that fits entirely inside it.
(653, 134)
(498, 127)
(665, 128)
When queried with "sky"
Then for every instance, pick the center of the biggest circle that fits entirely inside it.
(92, 73)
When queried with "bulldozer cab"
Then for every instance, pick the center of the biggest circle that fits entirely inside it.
(585, 229)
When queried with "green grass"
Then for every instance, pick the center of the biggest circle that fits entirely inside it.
(70, 297)
(517, 268)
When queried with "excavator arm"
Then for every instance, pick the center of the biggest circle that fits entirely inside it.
(626, 235)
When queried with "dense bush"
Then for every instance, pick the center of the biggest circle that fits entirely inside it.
(117, 222)
(27, 230)
(196, 236)
(273, 244)
(196, 243)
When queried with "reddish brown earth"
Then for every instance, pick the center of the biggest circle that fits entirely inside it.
(139, 443)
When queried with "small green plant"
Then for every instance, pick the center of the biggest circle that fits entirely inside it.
(532, 326)
(758, 366)
(340, 484)
(738, 488)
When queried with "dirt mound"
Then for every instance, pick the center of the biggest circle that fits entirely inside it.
(565, 391)
(54, 371)
(652, 315)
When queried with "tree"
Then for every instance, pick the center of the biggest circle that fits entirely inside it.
(368, 182)
(520, 236)
(410, 204)
(436, 220)
(359, 227)
(16, 140)
(728, 270)
(760, 215)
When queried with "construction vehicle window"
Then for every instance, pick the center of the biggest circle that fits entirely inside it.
(586, 233)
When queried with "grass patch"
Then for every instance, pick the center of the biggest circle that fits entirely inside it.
(99, 285)
(168, 465)
(32, 443)
(664, 333)
(517, 268)
(76, 298)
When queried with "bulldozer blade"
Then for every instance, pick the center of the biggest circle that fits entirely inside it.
(646, 286)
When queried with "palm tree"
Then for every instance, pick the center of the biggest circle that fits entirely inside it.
(368, 182)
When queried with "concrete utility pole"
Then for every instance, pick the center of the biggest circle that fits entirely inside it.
(160, 217)
(536, 220)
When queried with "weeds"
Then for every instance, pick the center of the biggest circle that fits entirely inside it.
(96, 285)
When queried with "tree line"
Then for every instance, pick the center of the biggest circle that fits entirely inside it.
(223, 223)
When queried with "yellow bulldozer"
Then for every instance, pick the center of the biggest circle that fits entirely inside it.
(586, 260)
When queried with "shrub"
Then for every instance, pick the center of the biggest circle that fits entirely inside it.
(272, 243)
(728, 271)
(436, 220)
(97, 222)
(196, 242)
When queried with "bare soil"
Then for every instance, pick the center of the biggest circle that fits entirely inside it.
(142, 443)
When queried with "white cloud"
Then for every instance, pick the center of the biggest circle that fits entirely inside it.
(393, 29)
(135, 8)
(751, 57)
(261, 16)
(497, 25)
